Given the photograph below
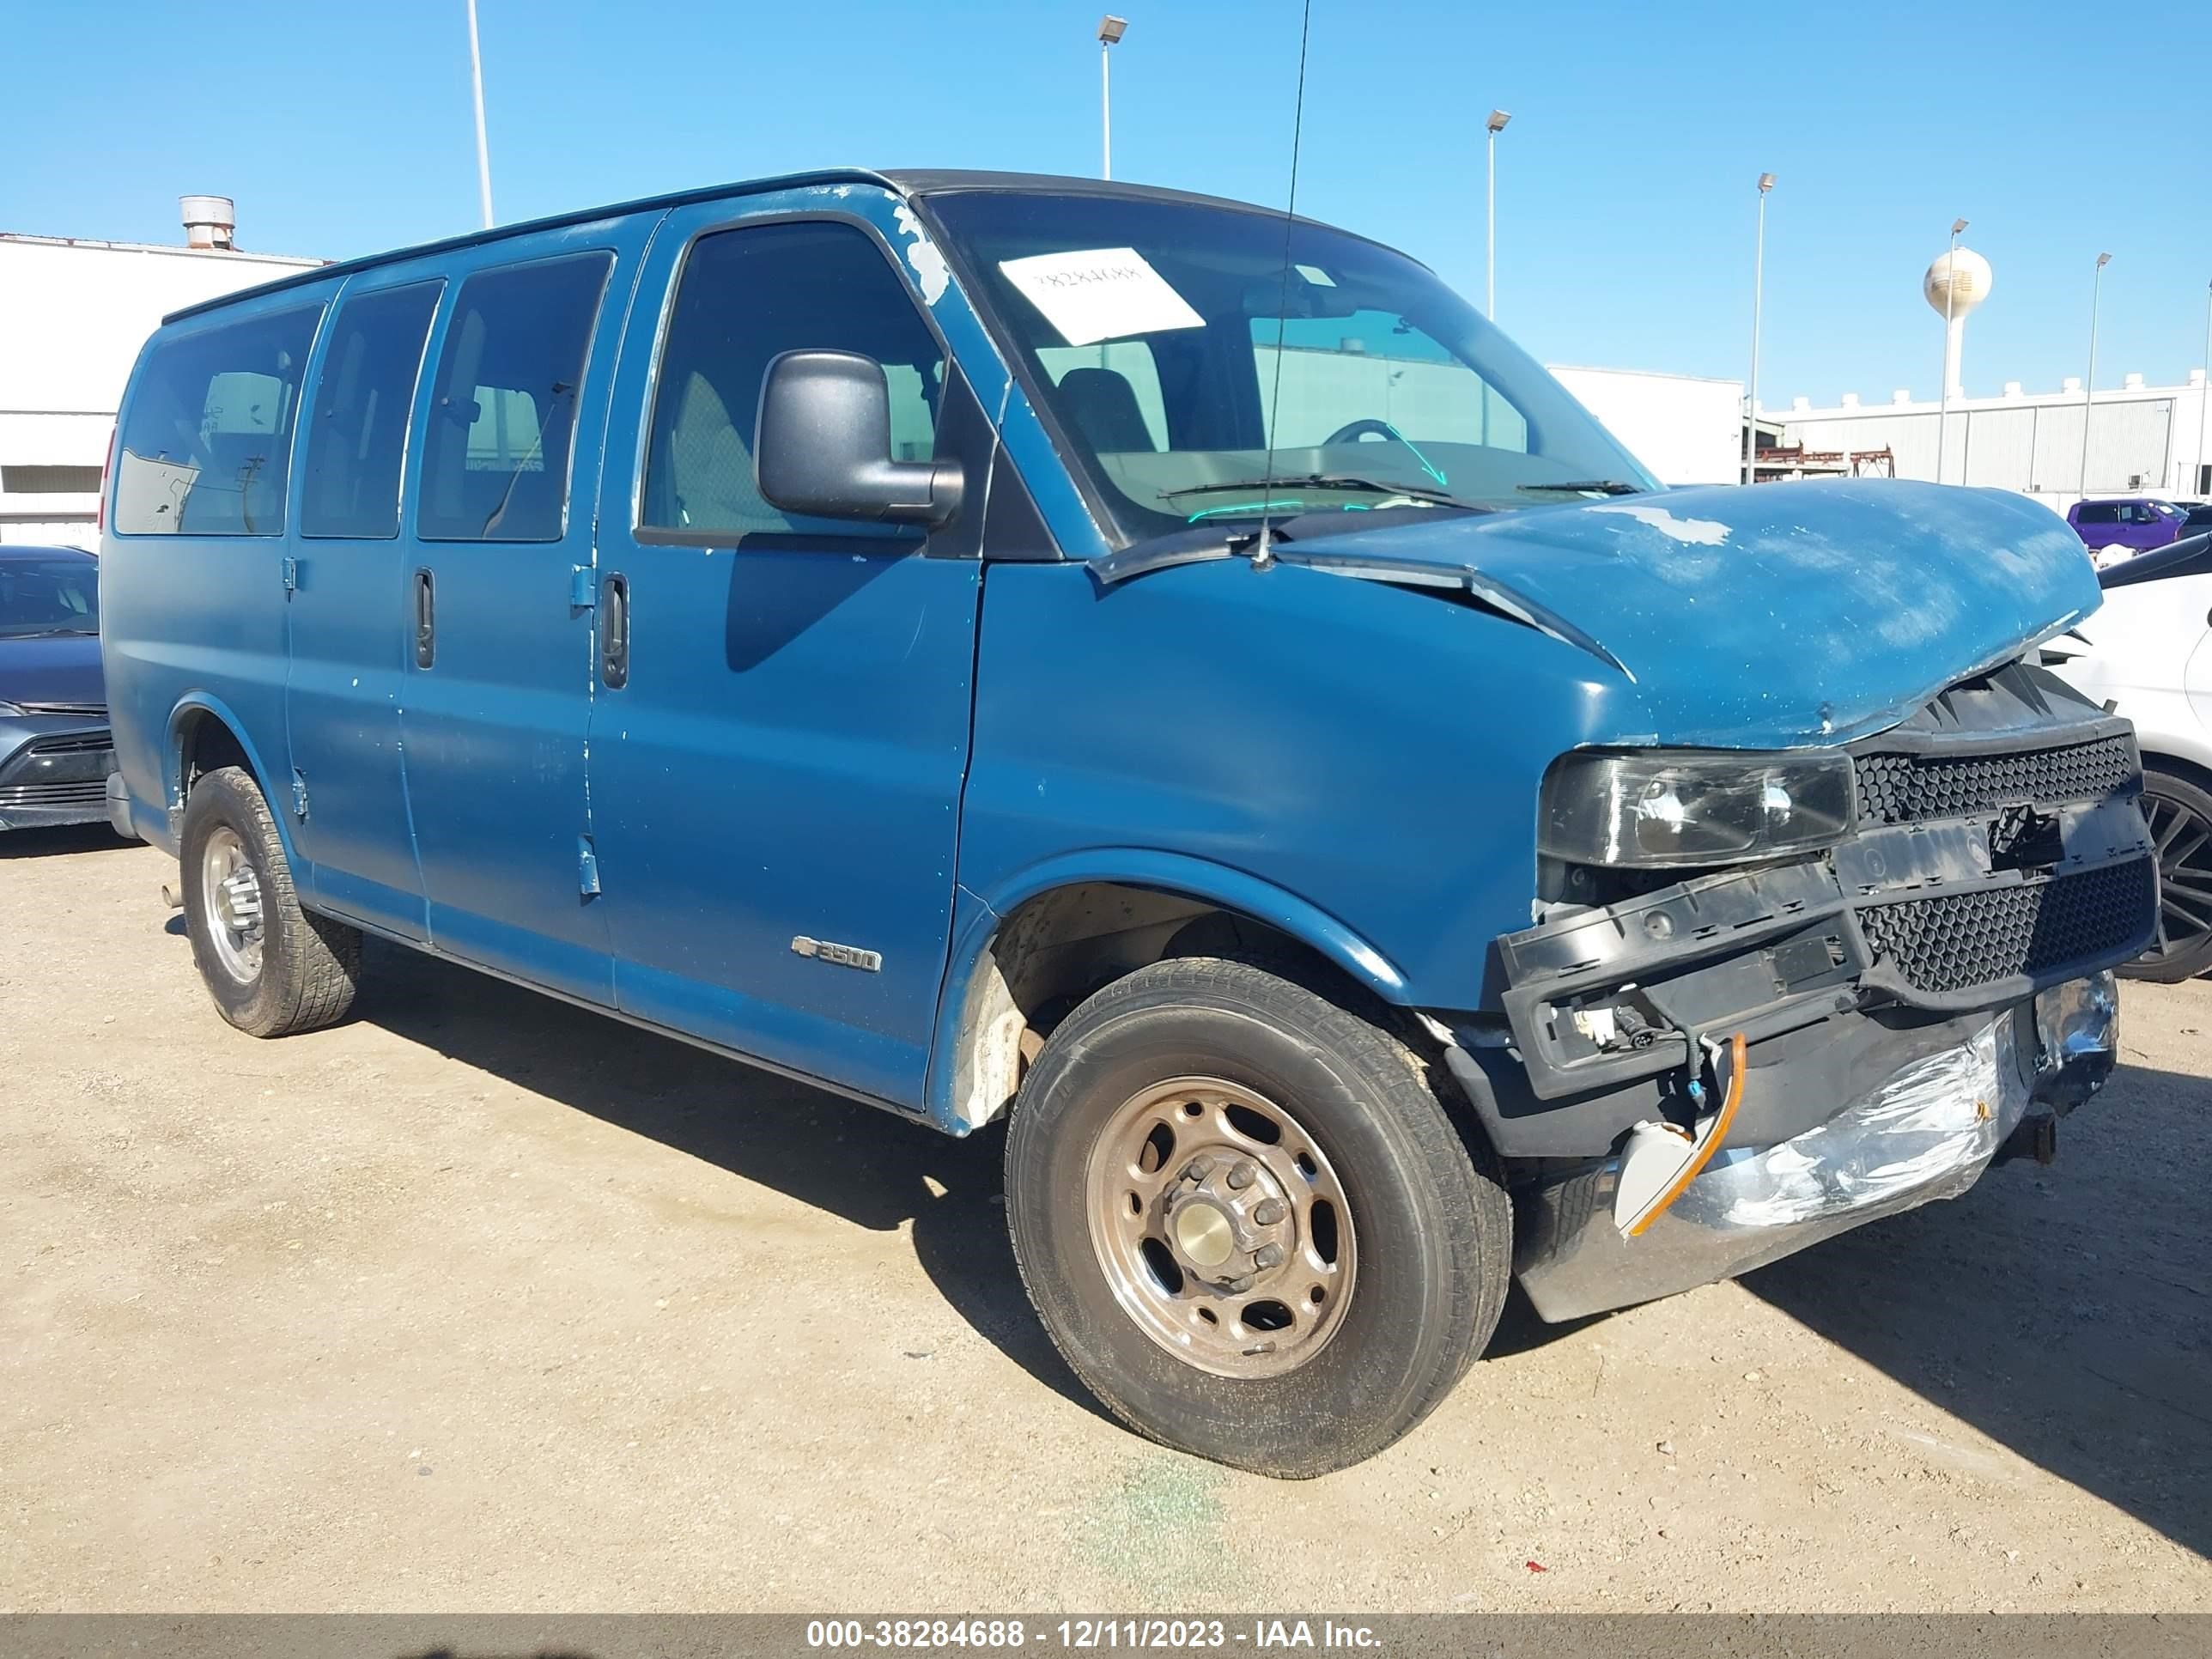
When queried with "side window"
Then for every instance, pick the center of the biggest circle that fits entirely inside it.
(503, 407)
(1384, 365)
(357, 425)
(206, 446)
(1112, 391)
(747, 295)
(2098, 512)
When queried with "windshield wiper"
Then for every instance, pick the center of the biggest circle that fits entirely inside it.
(1589, 487)
(1327, 481)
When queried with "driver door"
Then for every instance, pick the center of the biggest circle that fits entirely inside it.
(778, 750)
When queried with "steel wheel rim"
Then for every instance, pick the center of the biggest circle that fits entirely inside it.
(230, 895)
(1233, 1252)
(2183, 841)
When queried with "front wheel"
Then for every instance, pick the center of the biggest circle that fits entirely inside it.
(1246, 1220)
(272, 968)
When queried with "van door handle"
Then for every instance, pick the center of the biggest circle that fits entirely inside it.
(614, 632)
(426, 618)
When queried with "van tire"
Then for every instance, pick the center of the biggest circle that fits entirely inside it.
(1429, 1213)
(307, 967)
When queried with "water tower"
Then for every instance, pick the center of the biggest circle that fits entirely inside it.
(1957, 282)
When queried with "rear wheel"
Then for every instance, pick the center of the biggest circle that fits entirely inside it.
(2180, 815)
(1246, 1220)
(272, 968)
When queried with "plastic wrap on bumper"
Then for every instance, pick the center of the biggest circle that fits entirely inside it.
(1925, 1132)
(2077, 1031)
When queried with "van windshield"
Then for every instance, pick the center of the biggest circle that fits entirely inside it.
(1185, 368)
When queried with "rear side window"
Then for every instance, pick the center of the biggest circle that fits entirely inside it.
(206, 446)
(748, 295)
(2098, 513)
(503, 408)
(357, 426)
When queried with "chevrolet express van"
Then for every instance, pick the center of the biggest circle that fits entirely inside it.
(1174, 679)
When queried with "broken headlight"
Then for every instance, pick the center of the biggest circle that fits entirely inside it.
(1659, 809)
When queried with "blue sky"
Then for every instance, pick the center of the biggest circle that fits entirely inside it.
(1625, 198)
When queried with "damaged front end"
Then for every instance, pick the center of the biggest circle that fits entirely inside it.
(1782, 1002)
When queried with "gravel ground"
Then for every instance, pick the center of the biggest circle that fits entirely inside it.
(478, 1303)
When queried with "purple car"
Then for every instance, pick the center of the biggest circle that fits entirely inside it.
(2132, 524)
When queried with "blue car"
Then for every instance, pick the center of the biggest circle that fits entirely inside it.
(1175, 680)
(55, 756)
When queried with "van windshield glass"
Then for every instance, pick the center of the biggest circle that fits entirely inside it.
(1183, 368)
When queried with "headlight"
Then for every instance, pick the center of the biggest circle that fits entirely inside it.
(1657, 809)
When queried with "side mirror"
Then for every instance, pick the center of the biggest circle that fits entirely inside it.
(823, 445)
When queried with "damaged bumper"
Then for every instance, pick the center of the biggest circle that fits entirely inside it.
(1906, 1000)
(1925, 1131)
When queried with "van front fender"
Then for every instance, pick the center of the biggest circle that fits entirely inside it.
(967, 1085)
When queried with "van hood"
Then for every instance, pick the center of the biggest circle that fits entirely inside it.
(1775, 616)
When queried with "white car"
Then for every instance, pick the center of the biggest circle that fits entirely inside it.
(2147, 654)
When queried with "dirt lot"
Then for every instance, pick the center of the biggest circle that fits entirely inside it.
(480, 1303)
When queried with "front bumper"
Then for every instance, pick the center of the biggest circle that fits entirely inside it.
(1987, 867)
(53, 770)
(1924, 1132)
(1906, 1001)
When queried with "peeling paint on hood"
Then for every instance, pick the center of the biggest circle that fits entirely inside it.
(1699, 533)
(1785, 614)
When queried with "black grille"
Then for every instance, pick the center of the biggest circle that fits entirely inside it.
(81, 743)
(74, 791)
(1903, 787)
(1959, 940)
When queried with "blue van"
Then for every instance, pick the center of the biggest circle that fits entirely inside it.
(1169, 676)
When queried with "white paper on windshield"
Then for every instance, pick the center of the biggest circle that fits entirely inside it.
(1100, 294)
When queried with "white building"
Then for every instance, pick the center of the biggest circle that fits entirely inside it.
(1687, 430)
(72, 317)
(2143, 440)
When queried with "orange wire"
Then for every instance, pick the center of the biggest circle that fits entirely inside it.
(1704, 1155)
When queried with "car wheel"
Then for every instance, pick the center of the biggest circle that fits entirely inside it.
(272, 968)
(2180, 815)
(1246, 1220)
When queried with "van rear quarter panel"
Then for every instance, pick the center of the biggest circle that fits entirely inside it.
(1370, 752)
(195, 621)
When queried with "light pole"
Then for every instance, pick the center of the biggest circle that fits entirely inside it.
(2196, 484)
(2089, 385)
(1757, 297)
(1950, 318)
(1110, 29)
(483, 151)
(1498, 118)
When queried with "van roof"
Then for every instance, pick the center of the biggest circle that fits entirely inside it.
(910, 183)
